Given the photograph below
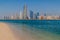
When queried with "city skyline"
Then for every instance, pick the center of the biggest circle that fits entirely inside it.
(11, 7)
(32, 16)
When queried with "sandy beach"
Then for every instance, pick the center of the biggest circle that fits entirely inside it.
(6, 33)
(10, 33)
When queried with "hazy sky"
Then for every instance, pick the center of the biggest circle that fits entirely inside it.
(10, 7)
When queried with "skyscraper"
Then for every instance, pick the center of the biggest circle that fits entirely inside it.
(45, 14)
(25, 12)
(31, 14)
(37, 15)
(16, 16)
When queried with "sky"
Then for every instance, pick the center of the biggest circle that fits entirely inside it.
(11, 7)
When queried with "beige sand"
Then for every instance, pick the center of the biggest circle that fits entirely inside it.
(5, 32)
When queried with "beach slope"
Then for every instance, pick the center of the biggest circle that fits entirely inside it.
(5, 32)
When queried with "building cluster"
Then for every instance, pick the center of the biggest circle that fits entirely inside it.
(30, 16)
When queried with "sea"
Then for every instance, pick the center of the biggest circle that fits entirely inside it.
(35, 29)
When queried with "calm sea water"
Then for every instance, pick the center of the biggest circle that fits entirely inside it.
(43, 31)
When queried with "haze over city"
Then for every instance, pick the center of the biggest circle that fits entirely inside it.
(11, 7)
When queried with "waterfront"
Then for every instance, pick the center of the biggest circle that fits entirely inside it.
(29, 31)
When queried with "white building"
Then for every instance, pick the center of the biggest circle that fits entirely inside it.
(20, 17)
(12, 17)
(48, 17)
(52, 17)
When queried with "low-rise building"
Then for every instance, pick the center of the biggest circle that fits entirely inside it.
(52, 17)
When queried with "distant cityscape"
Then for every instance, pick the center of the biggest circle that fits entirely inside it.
(32, 16)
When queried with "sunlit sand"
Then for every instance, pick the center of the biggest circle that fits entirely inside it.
(9, 33)
(5, 32)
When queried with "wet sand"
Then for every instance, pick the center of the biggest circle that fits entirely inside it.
(24, 33)
(6, 32)
(20, 34)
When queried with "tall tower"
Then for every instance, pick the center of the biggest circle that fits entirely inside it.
(31, 14)
(25, 12)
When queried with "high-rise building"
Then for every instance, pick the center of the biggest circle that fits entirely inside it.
(31, 14)
(6, 18)
(17, 16)
(45, 14)
(20, 17)
(25, 12)
(37, 15)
